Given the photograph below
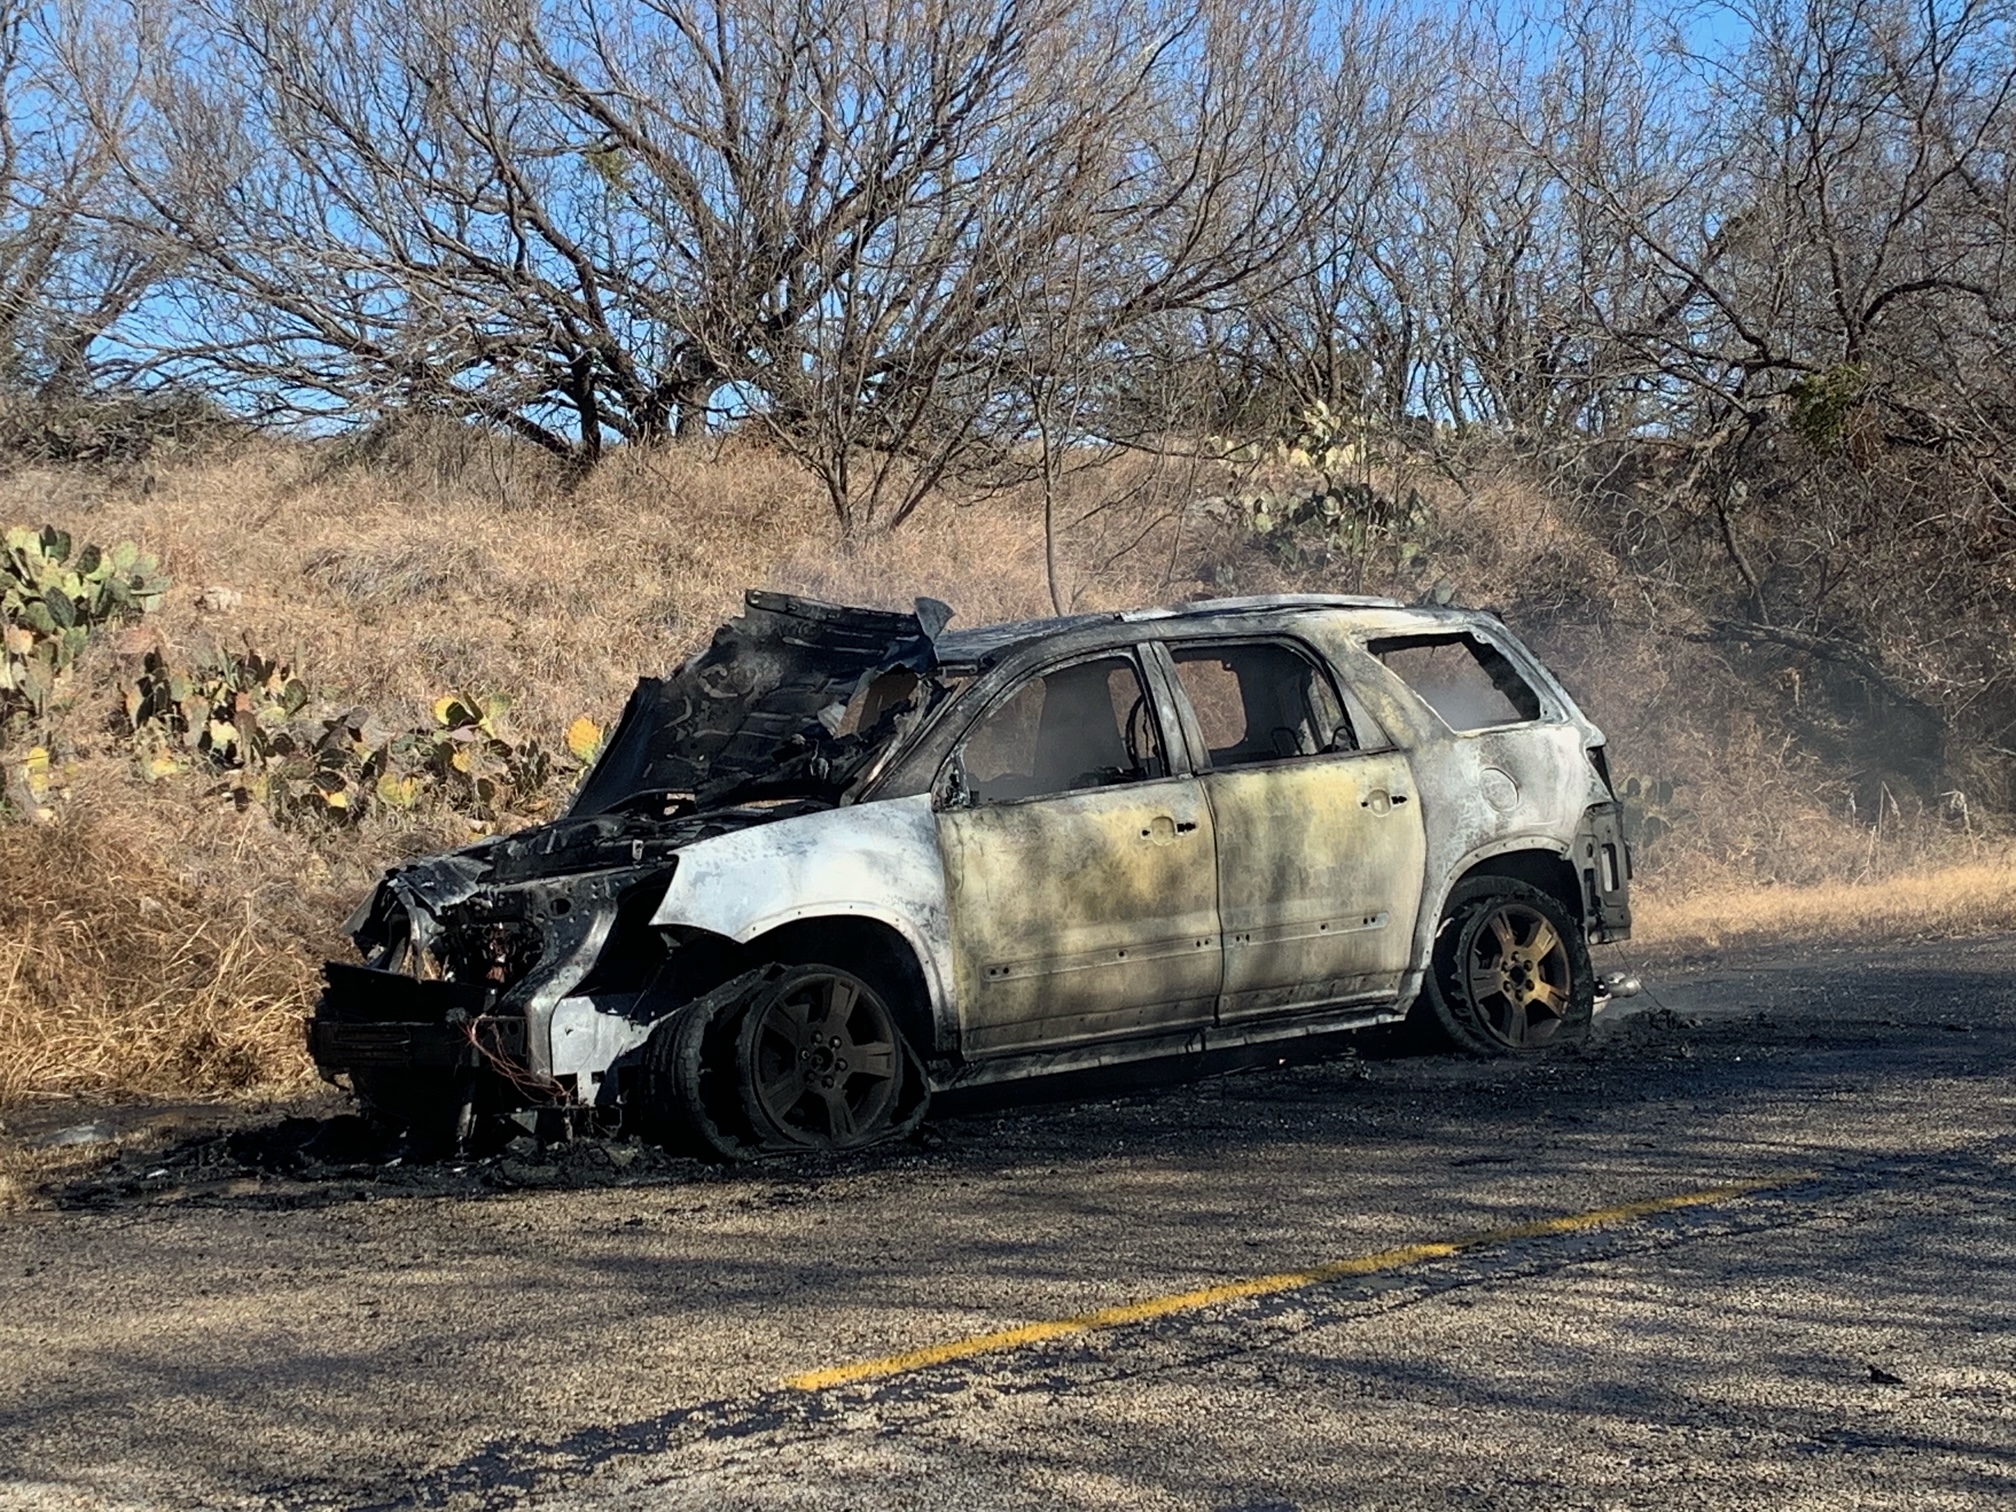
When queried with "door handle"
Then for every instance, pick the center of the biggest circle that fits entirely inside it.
(1380, 801)
(1163, 830)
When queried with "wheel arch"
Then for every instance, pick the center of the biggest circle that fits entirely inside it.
(868, 872)
(1541, 861)
(873, 949)
(1543, 867)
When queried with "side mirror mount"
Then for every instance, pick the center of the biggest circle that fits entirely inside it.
(952, 790)
(1343, 738)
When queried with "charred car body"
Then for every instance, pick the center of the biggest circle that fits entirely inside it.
(845, 858)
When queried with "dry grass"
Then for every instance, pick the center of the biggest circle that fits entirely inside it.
(19, 1176)
(1944, 902)
(128, 965)
(27, 1175)
(400, 586)
(492, 576)
(155, 940)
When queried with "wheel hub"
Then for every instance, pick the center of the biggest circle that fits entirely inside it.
(1518, 976)
(820, 1060)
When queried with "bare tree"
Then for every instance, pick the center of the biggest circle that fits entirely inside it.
(834, 220)
(1135, 362)
(68, 271)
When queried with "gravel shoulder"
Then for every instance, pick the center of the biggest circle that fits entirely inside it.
(257, 1316)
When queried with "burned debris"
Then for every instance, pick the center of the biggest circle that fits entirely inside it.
(467, 954)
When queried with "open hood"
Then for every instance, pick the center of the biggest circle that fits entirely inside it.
(794, 698)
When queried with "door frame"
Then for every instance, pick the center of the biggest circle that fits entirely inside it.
(1158, 652)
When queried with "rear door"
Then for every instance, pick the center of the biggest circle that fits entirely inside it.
(1079, 866)
(1320, 845)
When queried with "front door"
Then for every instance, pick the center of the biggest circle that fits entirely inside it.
(1321, 851)
(1080, 870)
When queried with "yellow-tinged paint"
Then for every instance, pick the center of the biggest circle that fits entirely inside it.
(1082, 915)
(1261, 1286)
(1320, 862)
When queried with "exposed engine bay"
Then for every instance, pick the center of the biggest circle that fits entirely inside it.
(790, 711)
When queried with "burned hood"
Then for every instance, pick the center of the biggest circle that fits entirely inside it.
(794, 697)
(434, 887)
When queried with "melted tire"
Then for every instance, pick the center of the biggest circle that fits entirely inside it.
(689, 1075)
(1474, 1021)
(699, 1094)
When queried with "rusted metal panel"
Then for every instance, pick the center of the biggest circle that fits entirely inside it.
(1081, 916)
(1319, 879)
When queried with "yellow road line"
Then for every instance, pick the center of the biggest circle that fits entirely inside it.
(1259, 1286)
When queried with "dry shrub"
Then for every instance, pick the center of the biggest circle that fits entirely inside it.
(125, 968)
(1504, 543)
(397, 586)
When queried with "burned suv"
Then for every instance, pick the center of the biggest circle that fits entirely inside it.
(846, 858)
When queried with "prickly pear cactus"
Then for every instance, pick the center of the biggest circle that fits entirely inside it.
(229, 711)
(52, 597)
(245, 719)
(479, 769)
(1316, 506)
(1651, 809)
(50, 603)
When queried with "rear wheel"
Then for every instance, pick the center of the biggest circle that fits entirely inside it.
(1511, 974)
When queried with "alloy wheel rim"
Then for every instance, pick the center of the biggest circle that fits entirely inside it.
(822, 1061)
(1518, 976)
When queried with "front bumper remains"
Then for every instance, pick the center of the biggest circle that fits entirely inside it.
(378, 1022)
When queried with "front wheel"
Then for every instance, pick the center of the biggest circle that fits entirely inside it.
(1511, 974)
(821, 1061)
(783, 1059)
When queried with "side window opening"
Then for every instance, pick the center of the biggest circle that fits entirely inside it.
(1260, 701)
(1087, 725)
(1467, 681)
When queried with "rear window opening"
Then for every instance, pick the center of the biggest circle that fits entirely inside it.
(1467, 681)
(1258, 702)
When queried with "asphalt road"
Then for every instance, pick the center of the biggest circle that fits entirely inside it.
(1809, 1299)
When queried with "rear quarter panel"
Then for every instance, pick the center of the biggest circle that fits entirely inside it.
(1483, 793)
